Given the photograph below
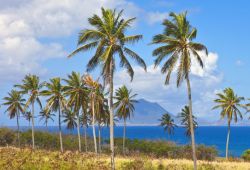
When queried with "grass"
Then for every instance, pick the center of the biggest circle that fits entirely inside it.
(12, 158)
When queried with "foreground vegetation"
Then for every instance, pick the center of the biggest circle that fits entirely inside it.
(154, 149)
(15, 158)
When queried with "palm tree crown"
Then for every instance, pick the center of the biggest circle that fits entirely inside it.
(124, 102)
(168, 123)
(15, 103)
(178, 45)
(230, 104)
(108, 38)
(184, 116)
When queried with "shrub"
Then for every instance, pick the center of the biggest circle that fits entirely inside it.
(246, 155)
(7, 136)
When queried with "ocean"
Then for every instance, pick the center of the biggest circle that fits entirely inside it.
(211, 136)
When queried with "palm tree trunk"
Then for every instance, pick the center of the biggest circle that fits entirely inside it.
(18, 131)
(111, 111)
(78, 132)
(60, 129)
(99, 138)
(228, 135)
(93, 124)
(124, 137)
(85, 138)
(191, 123)
(32, 119)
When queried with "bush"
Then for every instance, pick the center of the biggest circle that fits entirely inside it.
(246, 155)
(7, 137)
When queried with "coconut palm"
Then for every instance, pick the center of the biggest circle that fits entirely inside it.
(102, 113)
(180, 50)
(44, 116)
(124, 106)
(28, 116)
(31, 86)
(56, 101)
(230, 105)
(84, 121)
(77, 93)
(15, 105)
(94, 89)
(167, 123)
(108, 37)
(184, 116)
(70, 119)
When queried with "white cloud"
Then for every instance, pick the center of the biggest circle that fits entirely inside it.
(154, 17)
(24, 23)
(151, 86)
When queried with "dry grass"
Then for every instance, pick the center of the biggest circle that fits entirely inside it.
(14, 158)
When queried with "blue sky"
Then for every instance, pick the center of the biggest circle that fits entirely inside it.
(37, 35)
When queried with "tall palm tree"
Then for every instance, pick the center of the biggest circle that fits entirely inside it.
(230, 105)
(184, 116)
(56, 101)
(94, 88)
(31, 86)
(77, 93)
(15, 104)
(108, 37)
(167, 123)
(46, 117)
(178, 46)
(125, 107)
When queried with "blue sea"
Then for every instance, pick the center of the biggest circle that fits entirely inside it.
(212, 136)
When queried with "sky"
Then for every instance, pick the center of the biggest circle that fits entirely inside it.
(37, 35)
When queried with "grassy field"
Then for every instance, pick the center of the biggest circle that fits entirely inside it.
(13, 158)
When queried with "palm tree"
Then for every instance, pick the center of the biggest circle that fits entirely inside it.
(167, 123)
(108, 37)
(46, 117)
(15, 104)
(125, 107)
(31, 86)
(102, 113)
(84, 121)
(69, 119)
(28, 116)
(230, 105)
(77, 98)
(56, 101)
(184, 116)
(178, 46)
(94, 88)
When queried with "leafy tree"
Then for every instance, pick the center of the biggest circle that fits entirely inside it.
(178, 46)
(56, 101)
(184, 116)
(124, 105)
(31, 86)
(167, 123)
(15, 105)
(230, 105)
(108, 38)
